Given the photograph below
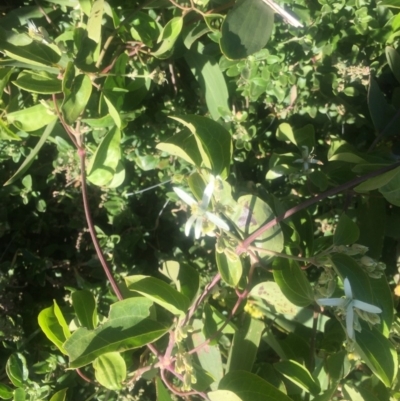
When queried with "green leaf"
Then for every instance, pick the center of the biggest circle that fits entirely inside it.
(31, 52)
(145, 29)
(85, 308)
(223, 395)
(159, 292)
(23, 168)
(358, 394)
(378, 353)
(210, 78)
(168, 37)
(50, 324)
(194, 32)
(76, 99)
(59, 395)
(230, 270)
(5, 74)
(292, 281)
(213, 140)
(245, 344)
(210, 356)
(185, 277)
(32, 118)
(270, 292)
(252, 213)
(347, 232)
(183, 144)
(61, 320)
(16, 369)
(6, 134)
(298, 375)
(103, 164)
(337, 366)
(127, 327)
(6, 392)
(19, 394)
(390, 3)
(38, 82)
(382, 113)
(246, 29)
(110, 370)
(250, 387)
(162, 392)
(378, 182)
(95, 20)
(304, 136)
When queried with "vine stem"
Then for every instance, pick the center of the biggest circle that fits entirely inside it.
(243, 247)
(82, 157)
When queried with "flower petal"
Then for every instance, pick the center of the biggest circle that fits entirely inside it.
(217, 221)
(189, 224)
(207, 194)
(184, 196)
(367, 307)
(350, 321)
(331, 301)
(198, 227)
(347, 288)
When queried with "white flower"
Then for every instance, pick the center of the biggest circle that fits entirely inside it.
(306, 159)
(199, 210)
(347, 305)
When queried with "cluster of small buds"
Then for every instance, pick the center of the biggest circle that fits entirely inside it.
(372, 267)
(181, 333)
(355, 249)
(184, 366)
(227, 246)
(326, 284)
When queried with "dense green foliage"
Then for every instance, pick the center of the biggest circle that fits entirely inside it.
(200, 200)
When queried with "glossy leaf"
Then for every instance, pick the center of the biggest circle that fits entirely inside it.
(210, 78)
(5, 74)
(347, 231)
(17, 370)
(250, 387)
(23, 168)
(382, 113)
(159, 292)
(38, 82)
(393, 59)
(162, 392)
(337, 366)
(145, 29)
(185, 277)
(270, 292)
(31, 52)
(245, 344)
(59, 395)
(378, 353)
(223, 395)
(95, 20)
(184, 145)
(304, 136)
(19, 395)
(128, 326)
(230, 270)
(299, 375)
(293, 282)
(103, 164)
(54, 327)
(76, 100)
(85, 308)
(168, 37)
(213, 141)
(110, 370)
(378, 182)
(358, 394)
(6, 392)
(246, 29)
(208, 356)
(32, 118)
(252, 213)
